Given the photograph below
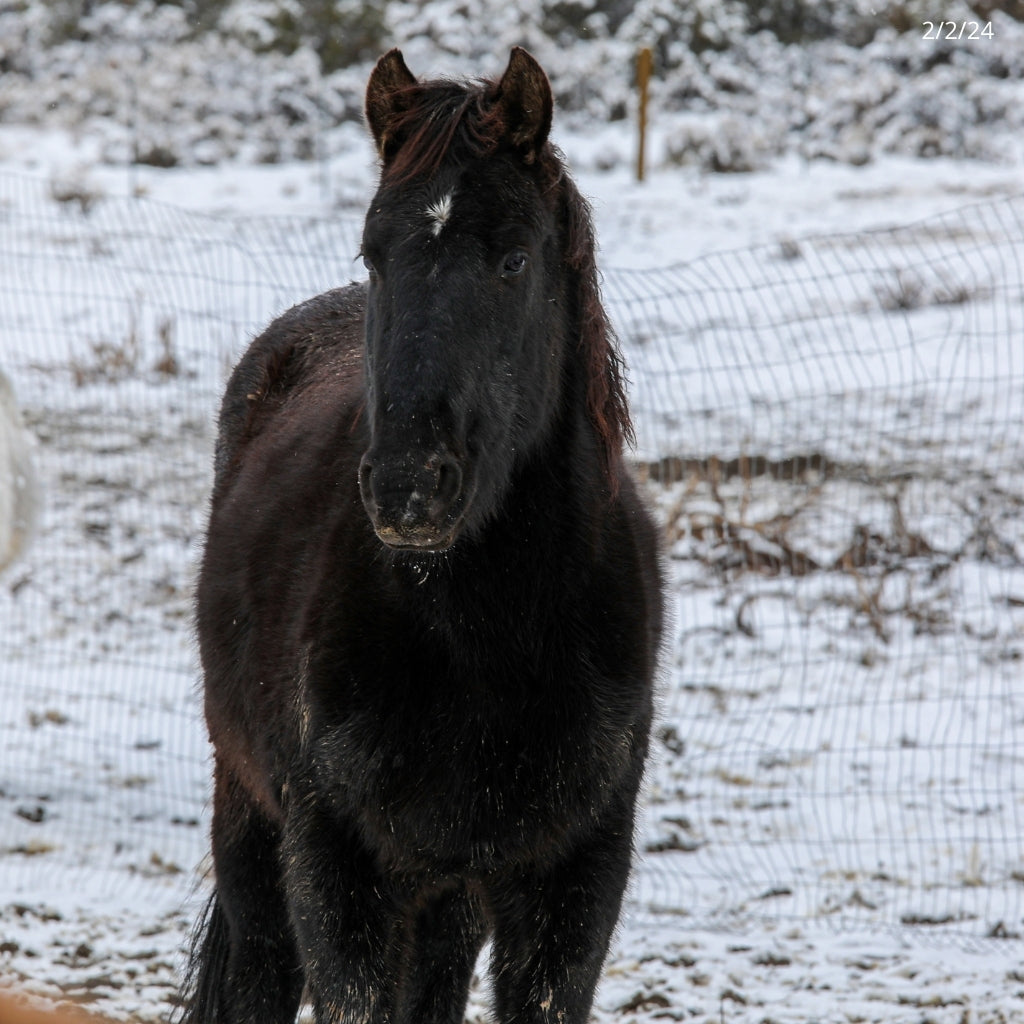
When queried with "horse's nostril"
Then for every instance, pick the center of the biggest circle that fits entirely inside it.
(449, 482)
(365, 479)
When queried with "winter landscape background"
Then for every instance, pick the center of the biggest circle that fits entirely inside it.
(818, 291)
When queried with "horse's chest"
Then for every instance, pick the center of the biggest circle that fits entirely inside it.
(471, 771)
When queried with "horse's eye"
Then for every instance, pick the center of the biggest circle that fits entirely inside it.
(368, 263)
(515, 263)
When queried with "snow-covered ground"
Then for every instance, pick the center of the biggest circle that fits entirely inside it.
(829, 419)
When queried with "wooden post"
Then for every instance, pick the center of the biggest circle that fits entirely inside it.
(644, 63)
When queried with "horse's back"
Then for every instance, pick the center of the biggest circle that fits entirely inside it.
(314, 349)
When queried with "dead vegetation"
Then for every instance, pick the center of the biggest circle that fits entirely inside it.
(17, 1010)
(112, 361)
(885, 540)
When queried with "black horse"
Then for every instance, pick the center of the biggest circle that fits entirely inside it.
(430, 602)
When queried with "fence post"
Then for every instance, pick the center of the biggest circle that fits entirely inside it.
(644, 62)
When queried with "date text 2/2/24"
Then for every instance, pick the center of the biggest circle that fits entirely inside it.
(957, 30)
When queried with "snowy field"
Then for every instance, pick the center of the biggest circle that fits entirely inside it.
(829, 418)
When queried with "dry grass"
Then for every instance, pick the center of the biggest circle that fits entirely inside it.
(15, 1009)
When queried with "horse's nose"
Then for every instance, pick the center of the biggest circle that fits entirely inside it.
(412, 500)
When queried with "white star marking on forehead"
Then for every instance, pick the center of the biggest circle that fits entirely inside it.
(439, 212)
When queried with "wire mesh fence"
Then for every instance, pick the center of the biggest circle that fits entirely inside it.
(835, 425)
(830, 429)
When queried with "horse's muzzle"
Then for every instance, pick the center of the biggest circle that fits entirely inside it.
(414, 501)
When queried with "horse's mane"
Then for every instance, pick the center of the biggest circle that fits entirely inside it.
(445, 120)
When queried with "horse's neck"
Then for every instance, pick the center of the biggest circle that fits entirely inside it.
(540, 540)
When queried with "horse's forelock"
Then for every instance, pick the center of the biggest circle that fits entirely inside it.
(435, 119)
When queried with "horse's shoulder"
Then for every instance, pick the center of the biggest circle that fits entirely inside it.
(316, 340)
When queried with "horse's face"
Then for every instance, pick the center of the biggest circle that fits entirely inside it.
(463, 335)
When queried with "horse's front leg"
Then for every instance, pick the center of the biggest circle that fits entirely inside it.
(346, 919)
(553, 928)
(244, 964)
(446, 930)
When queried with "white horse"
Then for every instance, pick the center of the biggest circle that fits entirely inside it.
(19, 495)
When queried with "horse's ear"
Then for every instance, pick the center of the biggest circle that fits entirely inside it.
(386, 99)
(524, 98)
